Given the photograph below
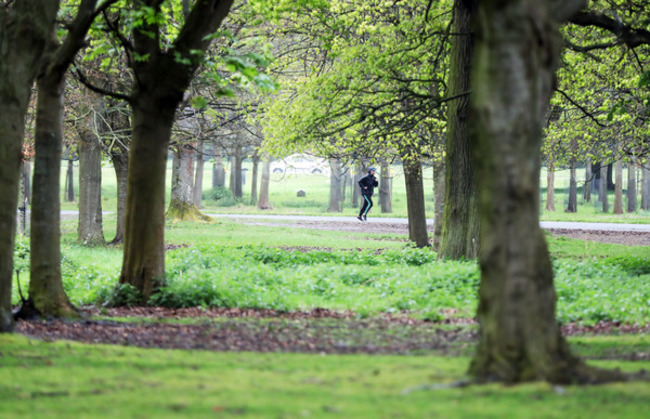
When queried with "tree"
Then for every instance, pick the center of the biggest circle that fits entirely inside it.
(161, 73)
(460, 223)
(517, 54)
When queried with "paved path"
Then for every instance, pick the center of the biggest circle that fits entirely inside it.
(543, 224)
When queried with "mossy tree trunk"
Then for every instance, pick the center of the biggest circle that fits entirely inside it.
(25, 28)
(517, 53)
(182, 206)
(460, 222)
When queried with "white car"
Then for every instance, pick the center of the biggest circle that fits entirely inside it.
(300, 163)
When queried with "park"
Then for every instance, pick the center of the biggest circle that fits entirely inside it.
(181, 231)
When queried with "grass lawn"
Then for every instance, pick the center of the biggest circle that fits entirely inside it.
(66, 379)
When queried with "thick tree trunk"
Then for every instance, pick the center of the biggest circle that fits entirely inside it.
(415, 206)
(460, 223)
(586, 193)
(89, 230)
(517, 54)
(572, 205)
(181, 202)
(385, 190)
(198, 177)
(45, 284)
(120, 165)
(631, 186)
(264, 203)
(143, 265)
(438, 201)
(335, 186)
(645, 187)
(618, 187)
(602, 194)
(550, 187)
(254, 176)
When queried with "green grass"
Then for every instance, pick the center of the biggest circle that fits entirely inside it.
(65, 379)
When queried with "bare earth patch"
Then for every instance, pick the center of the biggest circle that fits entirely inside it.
(314, 331)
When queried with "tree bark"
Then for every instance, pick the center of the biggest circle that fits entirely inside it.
(618, 187)
(586, 193)
(264, 203)
(120, 165)
(385, 190)
(235, 173)
(181, 202)
(254, 176)
(631, 186)
(602, 197)
(415, 206)
(45, 283)
(69, 182)
(89, 230)
(198, 177)
(335, 186)
(356, 193)
(550, 187)
(572, 205)
(218, 173)
(645, 187)
(438, 201)
(160, 83)
(460, 223)
(517, 53)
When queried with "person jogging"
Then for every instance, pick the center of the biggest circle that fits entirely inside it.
(368, 183)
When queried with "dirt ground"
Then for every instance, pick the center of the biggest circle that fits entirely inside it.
(315, 331)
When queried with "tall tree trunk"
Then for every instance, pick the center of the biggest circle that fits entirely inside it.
(254, 176)
(264, 202)
(517, 53)
(218, 173)
(602, 195)
(460, 223)
(23, 203)
(120, 165)
(89, 230)
(335, 186)
(572, 205)
(198, 177)
(181, 202)
(631, 186)
(415, 206)
(550, 187)
(45, 283)
(356, 193)
(160, 83)
(25, 27)
(235, 173)
(618, 187)
(385, 189)
(645, 187)
(586, 193)
(438, 201)
(69, 182)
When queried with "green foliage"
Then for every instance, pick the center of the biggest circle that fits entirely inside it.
(120, 295)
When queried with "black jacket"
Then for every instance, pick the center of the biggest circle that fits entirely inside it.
(368, 183)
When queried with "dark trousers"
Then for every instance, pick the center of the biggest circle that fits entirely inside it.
(367, 204)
